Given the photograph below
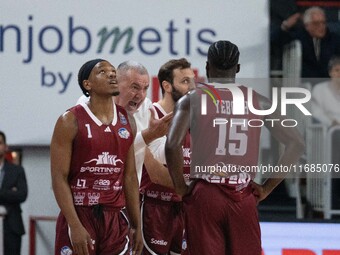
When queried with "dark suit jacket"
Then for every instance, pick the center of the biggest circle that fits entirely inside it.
(14, 177)
(311, 67)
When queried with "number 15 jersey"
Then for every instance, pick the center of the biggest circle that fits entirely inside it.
(225, 136)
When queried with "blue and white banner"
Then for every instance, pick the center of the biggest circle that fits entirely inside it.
(44, 43)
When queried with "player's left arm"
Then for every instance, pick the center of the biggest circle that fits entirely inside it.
(131, 191)
(173, 145)
(293, 149)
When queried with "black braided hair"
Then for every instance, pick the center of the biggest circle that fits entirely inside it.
(223, 55)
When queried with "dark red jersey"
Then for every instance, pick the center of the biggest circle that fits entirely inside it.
(225, 136)
(153, 190)
(98, 158)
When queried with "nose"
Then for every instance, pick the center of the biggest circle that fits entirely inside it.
(113, 74)
(192, 84)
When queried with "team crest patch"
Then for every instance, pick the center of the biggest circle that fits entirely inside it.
(122, 118)
(123, 133)
(66, 251)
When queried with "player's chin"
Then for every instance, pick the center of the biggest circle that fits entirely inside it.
(115, 93)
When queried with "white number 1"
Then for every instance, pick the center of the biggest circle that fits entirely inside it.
(237, 141)
(89, 135)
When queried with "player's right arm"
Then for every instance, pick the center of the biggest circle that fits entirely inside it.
(64, 133)
(158, 173)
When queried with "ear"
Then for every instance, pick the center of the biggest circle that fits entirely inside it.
(86, 85)
(166, 86)
(238, 68)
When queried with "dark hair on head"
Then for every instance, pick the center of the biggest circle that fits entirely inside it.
(166, 73)
(223, 55)
(85, 71)
(335, 60)
(3, 136)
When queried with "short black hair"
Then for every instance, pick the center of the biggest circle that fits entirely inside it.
(166, 73)
(3, 136)
(223, 55)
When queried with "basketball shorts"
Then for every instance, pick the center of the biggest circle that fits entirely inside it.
(216, 224)
(162, 224)
(109, 231)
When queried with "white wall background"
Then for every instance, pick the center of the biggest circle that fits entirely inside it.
(30, 104)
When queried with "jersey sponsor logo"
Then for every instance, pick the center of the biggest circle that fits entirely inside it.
(78, 198)
(123, 133)
(186, 152)
(153, 194)
(159, 242)
(81, 184)
(184, 244)
(93, 198)
(101, 184)
(100, 170)
(105, 159)
(186, 178)
(117, 186)
(241, 180)
(107, 130)
(166, 196)
(66, 251)
(122, 118)
(187, 162)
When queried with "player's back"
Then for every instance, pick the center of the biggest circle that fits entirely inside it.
(225, 140)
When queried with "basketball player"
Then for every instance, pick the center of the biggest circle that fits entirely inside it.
(162, 218)
(133, 82)
(93, 171)
(220, 211)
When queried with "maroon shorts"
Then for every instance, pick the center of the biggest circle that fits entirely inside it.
(162, 224)
(216, 224)
(110, 232)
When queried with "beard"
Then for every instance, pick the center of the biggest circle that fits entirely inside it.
(175, 94)
(116, 93)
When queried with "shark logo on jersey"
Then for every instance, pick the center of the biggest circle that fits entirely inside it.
(105, 159)
(123, 133)
(122, 118)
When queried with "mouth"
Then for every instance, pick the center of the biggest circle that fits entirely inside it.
(133, 104)
(114, 83)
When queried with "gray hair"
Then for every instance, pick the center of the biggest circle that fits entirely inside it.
(335, 60)
(128, 65)
(307, 17)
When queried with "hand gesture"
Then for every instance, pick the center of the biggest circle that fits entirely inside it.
(157, 127)
(81, 240)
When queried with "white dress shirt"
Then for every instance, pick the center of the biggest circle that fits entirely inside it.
(326, 103)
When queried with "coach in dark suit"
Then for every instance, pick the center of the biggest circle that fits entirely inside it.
(13, 191)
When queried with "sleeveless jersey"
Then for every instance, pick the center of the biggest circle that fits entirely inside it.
(225, 140)
(150, 189)
(98, 158)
